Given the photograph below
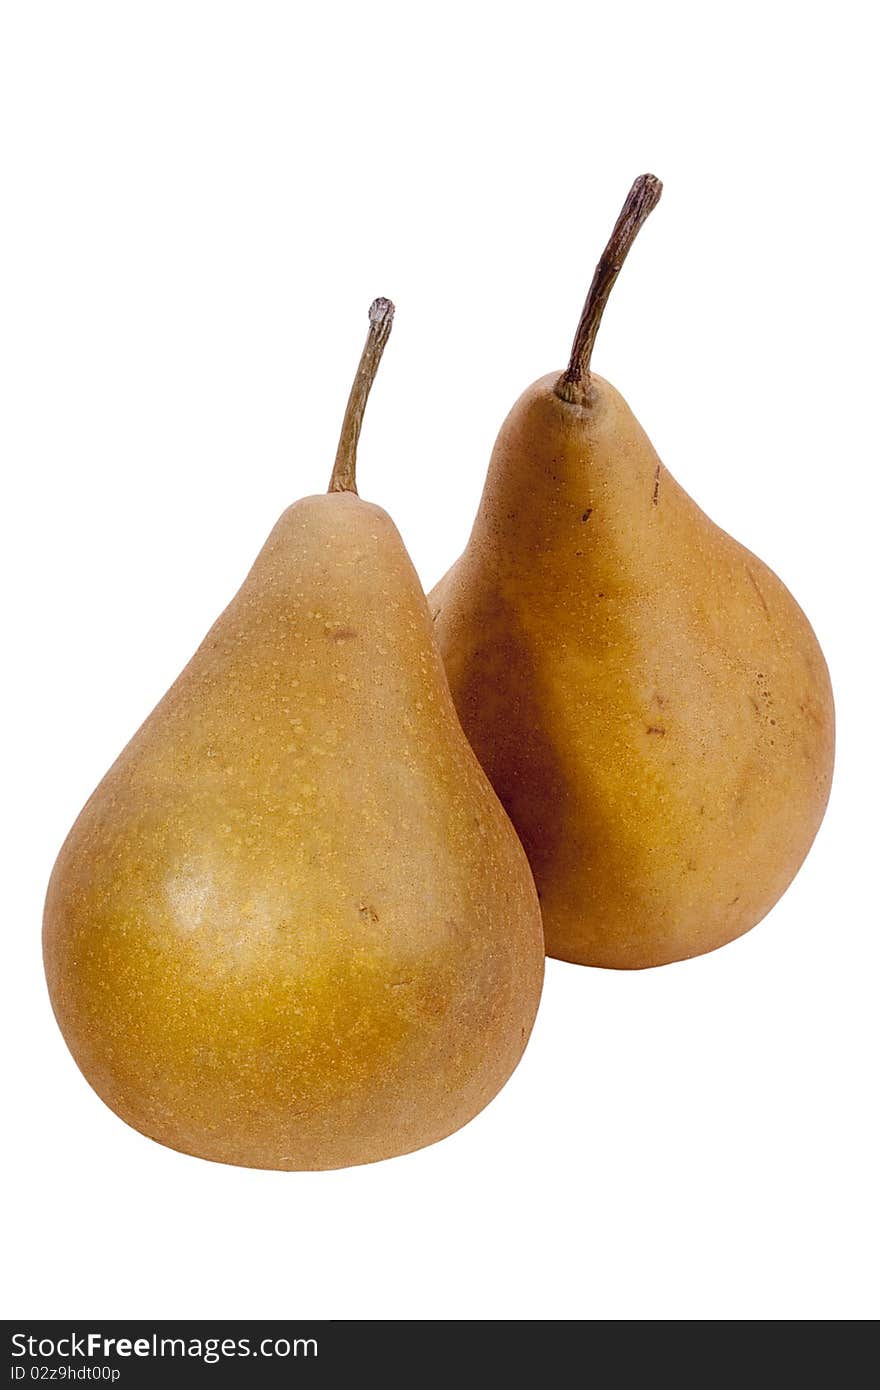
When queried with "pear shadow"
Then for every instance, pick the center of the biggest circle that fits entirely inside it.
(497, 687)
(577, 847)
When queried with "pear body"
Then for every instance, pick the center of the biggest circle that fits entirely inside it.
(293, 927)
(649, 701)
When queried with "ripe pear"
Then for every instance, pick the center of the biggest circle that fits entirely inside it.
(649, 701)
(293, 928)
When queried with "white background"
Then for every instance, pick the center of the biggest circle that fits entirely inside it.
(200, 202)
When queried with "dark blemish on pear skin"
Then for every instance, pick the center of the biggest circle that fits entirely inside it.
(655, 729)
(340, 634)
(587, 514)
(656, 496)
(757, 589)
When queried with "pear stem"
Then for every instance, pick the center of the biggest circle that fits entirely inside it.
(574, 384)
(342, 478)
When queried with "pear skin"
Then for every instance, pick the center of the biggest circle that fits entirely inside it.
(293, 927)
(649, 701)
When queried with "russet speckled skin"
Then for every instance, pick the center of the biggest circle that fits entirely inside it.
(650, 703)
(293, 927)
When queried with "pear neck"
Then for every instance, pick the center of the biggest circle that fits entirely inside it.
(568, 488)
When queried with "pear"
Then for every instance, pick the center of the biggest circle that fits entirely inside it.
(649, 701)
(293, 927)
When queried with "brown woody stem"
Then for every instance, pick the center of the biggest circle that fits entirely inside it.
(342, 478)
(643, 197)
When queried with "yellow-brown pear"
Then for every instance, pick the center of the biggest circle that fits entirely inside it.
(649, 701)
(293, 927)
